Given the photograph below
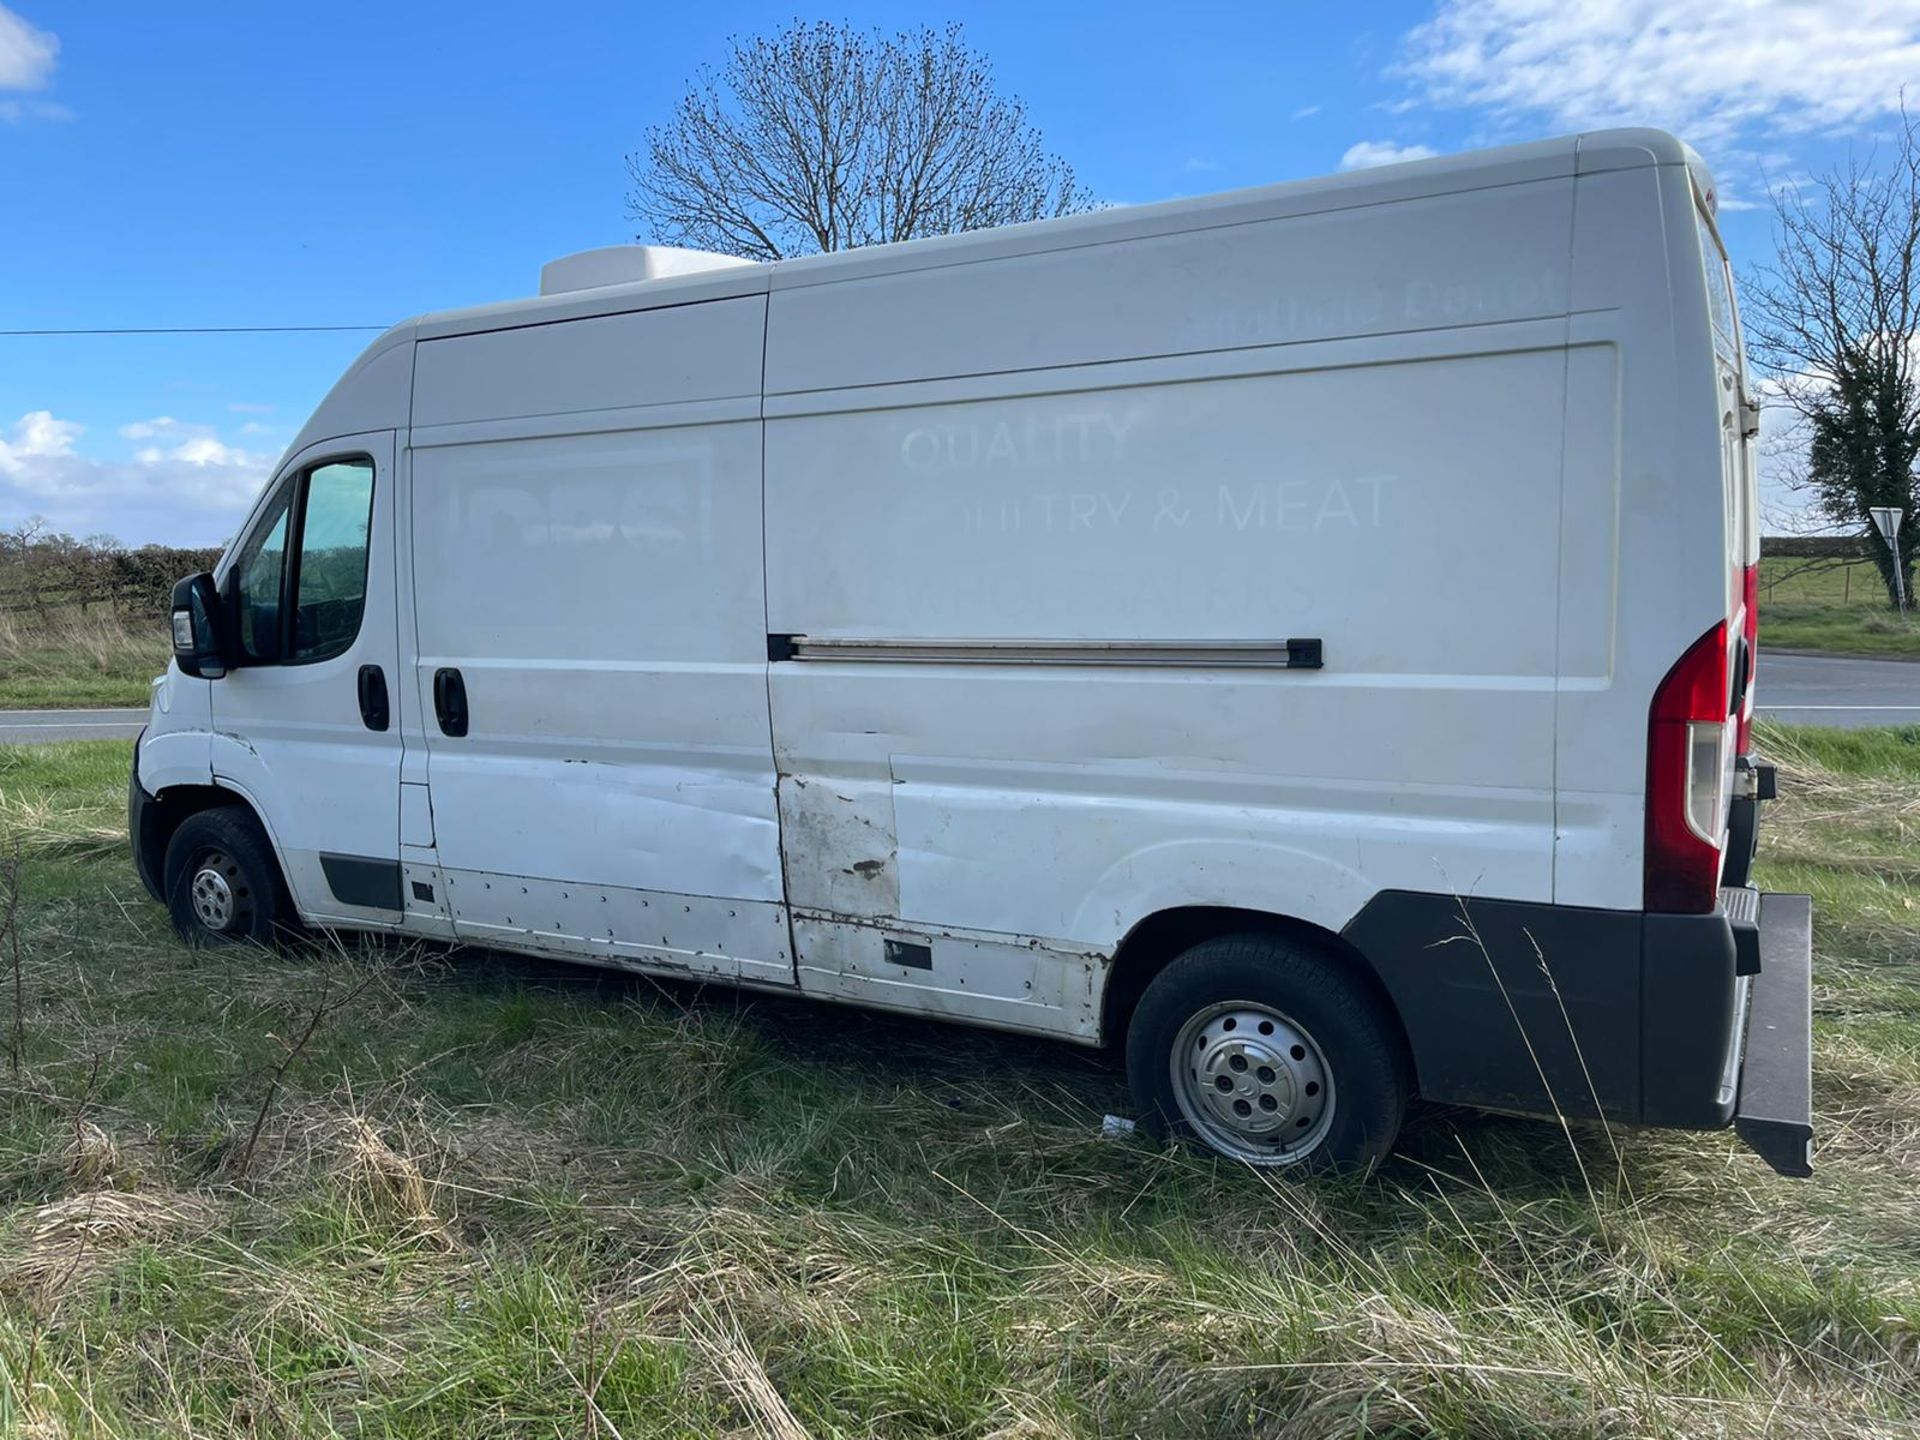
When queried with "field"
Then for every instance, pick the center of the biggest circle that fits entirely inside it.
(379, 1192)
(1821, 605)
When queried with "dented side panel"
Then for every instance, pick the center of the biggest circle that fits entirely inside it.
(839, 845)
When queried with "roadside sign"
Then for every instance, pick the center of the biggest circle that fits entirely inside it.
(1886, 519)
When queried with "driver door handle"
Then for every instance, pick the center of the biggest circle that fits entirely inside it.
(373, 697)
(450, 701)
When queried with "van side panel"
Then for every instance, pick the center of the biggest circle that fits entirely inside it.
(1396, 496)
(1481, 256)
(610, 363)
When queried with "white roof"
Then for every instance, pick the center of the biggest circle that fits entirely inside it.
(1514, 164)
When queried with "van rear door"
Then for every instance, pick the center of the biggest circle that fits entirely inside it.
(1739, 424)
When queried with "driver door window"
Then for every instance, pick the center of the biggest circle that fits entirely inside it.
(330, 573)
(302, 602)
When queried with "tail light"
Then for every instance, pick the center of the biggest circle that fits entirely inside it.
(1750, 632)
(1686, 769)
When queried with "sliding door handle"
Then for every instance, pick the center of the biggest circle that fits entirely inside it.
(450, 701)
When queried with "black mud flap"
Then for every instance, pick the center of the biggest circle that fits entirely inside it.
(1774, 1113)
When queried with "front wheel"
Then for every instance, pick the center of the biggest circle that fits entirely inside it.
(1267, 1050)
(222, 882)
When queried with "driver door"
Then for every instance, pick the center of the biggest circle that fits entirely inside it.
(306, 722)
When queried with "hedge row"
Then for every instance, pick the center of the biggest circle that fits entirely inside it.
(42, 576)
(1815, 547)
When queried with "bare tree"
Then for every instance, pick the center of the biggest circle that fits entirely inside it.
(1835, 320)
(824, 137)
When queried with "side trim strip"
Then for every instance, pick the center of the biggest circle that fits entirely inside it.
(1291, 654)
(357, 880)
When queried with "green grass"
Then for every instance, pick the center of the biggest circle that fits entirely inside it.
(1809, 605)
(501, 1198)
(72, 661)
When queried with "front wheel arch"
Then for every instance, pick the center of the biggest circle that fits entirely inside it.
(231, 829)
(168, 810)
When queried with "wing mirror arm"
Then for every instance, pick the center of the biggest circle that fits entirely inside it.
(198, 647)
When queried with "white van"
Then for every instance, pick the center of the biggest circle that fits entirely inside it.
(1304, 635)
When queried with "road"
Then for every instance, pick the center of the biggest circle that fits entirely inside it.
(1801, 689)
(37, 727)
(1819, 690)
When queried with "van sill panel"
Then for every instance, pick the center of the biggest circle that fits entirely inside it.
(360, 880)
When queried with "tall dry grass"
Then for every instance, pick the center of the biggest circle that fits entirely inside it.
(78, 659)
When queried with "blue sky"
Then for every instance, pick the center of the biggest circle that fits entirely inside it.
(244, 164)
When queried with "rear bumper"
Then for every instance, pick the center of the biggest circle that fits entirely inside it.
(1682, 1021)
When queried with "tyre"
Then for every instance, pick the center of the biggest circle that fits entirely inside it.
(223, 885)
(1270, 1051)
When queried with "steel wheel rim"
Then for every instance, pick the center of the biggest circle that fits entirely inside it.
(218, 893)
(1252, 1082)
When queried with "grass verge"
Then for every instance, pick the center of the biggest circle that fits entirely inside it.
(492, 1197)
(73, 662)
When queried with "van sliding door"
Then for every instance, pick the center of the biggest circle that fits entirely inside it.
(592, 646)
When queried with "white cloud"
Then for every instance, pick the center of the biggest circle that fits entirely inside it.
(26, 54)
(190, 487)
(1368, 153)
(147, 429)
(26, 63)
(206, 450)
(1703, 68)
(1306, 112)
(1199, 165)
(37, 436)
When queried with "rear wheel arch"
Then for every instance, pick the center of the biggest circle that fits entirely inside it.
(1161, 938)
(1270, 1050)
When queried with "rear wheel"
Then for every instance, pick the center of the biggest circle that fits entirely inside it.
(222, 882)
(1269, 1051)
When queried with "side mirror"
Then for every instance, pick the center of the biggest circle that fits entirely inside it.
(196, 628)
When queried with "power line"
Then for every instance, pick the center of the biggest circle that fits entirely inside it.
(200, 330)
